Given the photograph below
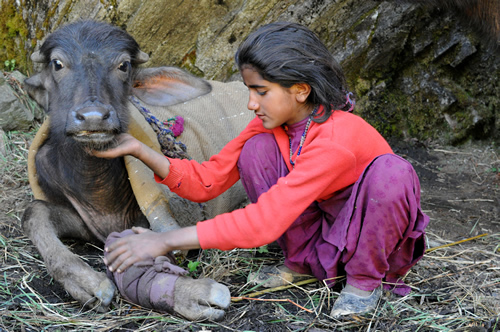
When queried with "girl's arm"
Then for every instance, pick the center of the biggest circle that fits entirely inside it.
(200, 182)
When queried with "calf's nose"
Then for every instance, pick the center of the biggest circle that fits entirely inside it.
(92, 118)
(92, 115)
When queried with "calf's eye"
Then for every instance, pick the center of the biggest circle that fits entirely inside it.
(58, 65)
(124, 66)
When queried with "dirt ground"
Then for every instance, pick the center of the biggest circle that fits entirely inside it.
(455, 288)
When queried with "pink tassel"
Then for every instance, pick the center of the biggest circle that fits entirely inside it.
(178, 126)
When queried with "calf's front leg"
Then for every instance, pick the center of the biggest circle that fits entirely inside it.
(159, 284)
(45, 224)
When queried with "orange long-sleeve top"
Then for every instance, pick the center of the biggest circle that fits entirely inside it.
(333, 156)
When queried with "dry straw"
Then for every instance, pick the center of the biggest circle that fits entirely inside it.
(455, 287)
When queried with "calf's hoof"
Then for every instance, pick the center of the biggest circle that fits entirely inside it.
(199, 299)
(95, 292)
(105, 294)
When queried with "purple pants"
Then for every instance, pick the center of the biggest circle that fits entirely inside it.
(370, 231)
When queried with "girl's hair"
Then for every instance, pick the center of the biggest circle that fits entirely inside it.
(289, 53)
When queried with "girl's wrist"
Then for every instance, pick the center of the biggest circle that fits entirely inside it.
(185, 238)
(139, 152)
(169, 241)
(165, 243)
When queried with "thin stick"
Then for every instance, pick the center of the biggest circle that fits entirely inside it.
(445, 274)
(489, 285)
(471, 200)
(239, 298)
(454, 243)
(453, 152)
(276, 289)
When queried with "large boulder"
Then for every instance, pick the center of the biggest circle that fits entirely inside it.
(417, 72)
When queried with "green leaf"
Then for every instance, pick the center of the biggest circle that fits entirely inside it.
(192, 266)
(263, 250)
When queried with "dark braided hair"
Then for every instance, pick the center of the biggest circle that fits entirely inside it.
(289, 53)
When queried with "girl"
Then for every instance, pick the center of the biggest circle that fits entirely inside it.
(322, 182)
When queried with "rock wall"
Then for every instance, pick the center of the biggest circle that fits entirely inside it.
(17, 110)
(418, 73)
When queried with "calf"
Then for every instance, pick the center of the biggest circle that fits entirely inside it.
(89, 74)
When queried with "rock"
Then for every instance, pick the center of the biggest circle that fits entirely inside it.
(17, 109)
(3, 142)
(13, 114)
(466, 49)
(388, 39)
(421, 72)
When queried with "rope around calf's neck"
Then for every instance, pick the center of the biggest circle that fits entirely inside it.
(170, 146)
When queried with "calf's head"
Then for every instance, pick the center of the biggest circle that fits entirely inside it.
(89, 71)
(86, 78)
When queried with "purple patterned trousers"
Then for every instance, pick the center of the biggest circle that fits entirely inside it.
(371, 231)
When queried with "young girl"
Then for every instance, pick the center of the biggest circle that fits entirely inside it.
(323, 183)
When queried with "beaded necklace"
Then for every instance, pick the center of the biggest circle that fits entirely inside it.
(302, 139)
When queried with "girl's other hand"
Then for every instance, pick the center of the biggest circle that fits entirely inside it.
(131, 249)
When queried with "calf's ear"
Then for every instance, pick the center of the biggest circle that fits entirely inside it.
(165, 86)
(35, 88)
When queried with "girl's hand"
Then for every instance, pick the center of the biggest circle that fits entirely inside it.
(131, 249)
(129, 145)
(126, 145)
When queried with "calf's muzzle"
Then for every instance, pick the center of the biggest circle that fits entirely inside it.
(93, 123)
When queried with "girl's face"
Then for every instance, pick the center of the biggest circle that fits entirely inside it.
(274, 104)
